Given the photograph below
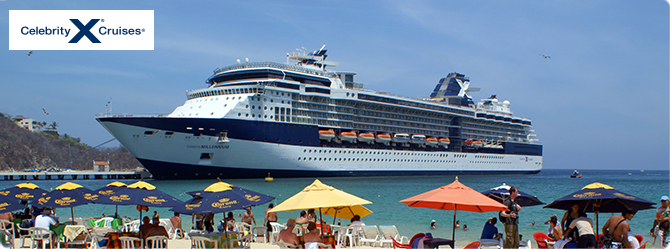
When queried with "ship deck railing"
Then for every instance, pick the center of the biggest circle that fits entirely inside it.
(139, 115)
(274, 65)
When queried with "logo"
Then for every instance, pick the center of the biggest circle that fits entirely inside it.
(81, 30)
(154, 200)
(586, 195)
(24, 196)
(224, 203)
(65, 201)
(254, 198)
(119, 198)
(90, 197)
(5, 193)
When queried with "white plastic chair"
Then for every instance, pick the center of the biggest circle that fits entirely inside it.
(95, 241)
(43, 235)
(244, 242)
(104, 222)
(9, 239)
(370, 235)
(352, 234)
(388, 232)
(129, 242)
(260, 232)
(276, 228)
(24, 233)
(156, 242)
(199, 242)
(492, 243)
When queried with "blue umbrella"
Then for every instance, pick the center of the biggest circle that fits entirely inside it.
(24, 191)
(142, 194)
(111, 189)
(221, 197)
(601, 198)
(8, 204)
(501, 193)
(67, 195)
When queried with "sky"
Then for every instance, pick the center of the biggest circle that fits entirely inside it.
(600, 102)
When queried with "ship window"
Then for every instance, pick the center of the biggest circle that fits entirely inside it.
(272, 100)
(148, 133)
(212, 114)
(239, 114)
(224, 105)
(169, 133)
(247, 106)
(189, 128)
(196, 134)
(247, 115)
(253, 115)
(205, 156)
(265, 108)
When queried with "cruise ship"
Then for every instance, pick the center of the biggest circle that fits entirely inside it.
(301, 119)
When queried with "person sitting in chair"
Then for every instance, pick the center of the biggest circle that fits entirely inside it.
(286, 235)
(147, 229)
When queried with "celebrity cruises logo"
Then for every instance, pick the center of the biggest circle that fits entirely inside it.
(81, 30)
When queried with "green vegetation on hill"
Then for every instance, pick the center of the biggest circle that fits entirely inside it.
(21, 149)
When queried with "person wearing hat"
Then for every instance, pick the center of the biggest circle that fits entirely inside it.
(662, 220)
(432, 224)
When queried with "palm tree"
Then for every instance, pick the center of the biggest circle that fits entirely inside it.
(53, 125)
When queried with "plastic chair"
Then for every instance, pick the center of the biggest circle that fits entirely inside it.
(9, 239)
(351, 233)
(397, 244)
(260, 232)
(199, 242)
(639, 238)
(156, 242)
(41, 235)
(370, 235)
(388, 231)
(540, 239)
(24, 233)
(129, 242)
(104, 222)
(284, 245)
(644, 245)
(274, 234)
(473, 245)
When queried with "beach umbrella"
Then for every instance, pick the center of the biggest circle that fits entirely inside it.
(24, 191)
(601, 198)
(346, 212)
(455, 196)
(319, 196)
(221, 197)
(8, 204)
(501, 193)
(67, 195)
(142, 194)
(111, 189)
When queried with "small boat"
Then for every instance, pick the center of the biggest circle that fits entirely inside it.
(576, 174)
(418, 139)
(383, 138)
(444, 142)
(349, 136)
(432, 141)
(269, 178)
(473, 143)
(366, 137)
(401, 138)
(326, 134)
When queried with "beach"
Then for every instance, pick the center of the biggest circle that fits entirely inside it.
(386, 192)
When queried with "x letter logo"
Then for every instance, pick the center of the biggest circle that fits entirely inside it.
(84, 31)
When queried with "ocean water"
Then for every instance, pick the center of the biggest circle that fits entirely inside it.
(386, 192)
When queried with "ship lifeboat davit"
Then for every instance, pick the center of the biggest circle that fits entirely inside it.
(326, 134)
(384, 138)
(444, 142)
(400, 138)
(418, 139)
(349, 136)
(366, 137)
(432, 141)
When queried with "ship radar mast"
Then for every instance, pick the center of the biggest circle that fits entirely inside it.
(316, 59)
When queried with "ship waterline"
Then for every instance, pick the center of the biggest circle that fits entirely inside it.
(299, 121)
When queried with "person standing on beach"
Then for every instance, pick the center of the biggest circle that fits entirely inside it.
(662, 220)
(269, 217)
(512, 219)
(248, 217)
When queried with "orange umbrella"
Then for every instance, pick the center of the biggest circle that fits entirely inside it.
(455, 196)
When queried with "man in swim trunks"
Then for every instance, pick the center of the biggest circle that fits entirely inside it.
(269, 217)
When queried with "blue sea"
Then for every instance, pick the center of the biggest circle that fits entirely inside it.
(386, 192)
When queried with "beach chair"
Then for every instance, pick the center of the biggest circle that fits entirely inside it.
(24, 233)
(284, 245)
(42, 236)
(525, 244)
(95, 241)
(244, 242)
(274, 234)
(486, 243)
(260, 232)
(370, 235)
(473, 245)
(104, 222)
(129, 242)
(540, 239)
(199, 242)
(156, 242)
(351, 233)
(390, 231)
(397, 244)
(8, 239)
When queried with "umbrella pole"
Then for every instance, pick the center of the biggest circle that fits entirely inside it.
(453, 226)
(321, 221)
(72, 213)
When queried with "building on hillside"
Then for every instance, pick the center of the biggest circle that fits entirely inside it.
(25, 123)
(100, 166)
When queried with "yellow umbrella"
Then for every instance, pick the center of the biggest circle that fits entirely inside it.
(319, 195)
(322, 196)
(347, 212)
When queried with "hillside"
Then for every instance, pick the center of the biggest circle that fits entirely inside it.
(21, 149)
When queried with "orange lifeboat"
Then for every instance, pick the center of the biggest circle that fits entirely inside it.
(383, 138)
(366, 137)
(326, 134)
(431, 141)
(477, 144)
(349, 136)
(444, 141)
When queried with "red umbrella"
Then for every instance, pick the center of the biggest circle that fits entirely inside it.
(455, 196)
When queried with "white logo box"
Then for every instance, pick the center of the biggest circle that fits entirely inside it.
(53, 30)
